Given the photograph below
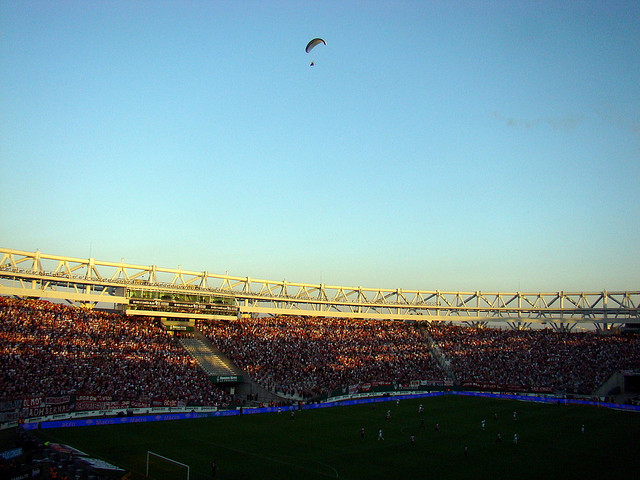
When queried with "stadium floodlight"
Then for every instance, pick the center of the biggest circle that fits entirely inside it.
(160, 468)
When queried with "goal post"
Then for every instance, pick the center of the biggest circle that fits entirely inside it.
(160, 467)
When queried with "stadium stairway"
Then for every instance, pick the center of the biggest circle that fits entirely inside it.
(210, 359)
(214, 363)
(441, 359)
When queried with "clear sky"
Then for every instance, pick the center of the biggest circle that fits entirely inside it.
(453, 145)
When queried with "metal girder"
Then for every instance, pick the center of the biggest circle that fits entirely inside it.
(83, 280)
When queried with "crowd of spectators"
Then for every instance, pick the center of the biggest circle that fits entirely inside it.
(307, 356)
(565, 362)
(49, 349)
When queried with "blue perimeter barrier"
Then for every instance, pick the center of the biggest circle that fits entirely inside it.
(358, 401)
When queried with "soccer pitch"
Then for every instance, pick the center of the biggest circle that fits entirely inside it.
(327, 443)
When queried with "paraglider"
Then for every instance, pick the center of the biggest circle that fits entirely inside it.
(312, 44)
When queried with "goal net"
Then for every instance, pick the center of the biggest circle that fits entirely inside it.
(163, 468)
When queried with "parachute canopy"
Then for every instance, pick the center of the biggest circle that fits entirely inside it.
(313, 43)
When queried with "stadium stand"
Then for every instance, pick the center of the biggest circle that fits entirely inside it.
(307, 357)
(535, 360)
(312, 356)
(64, 354)
(53, 350)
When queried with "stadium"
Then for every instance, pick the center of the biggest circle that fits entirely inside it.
(294, 377)
(363, 240)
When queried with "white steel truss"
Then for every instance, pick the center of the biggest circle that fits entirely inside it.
(35, 274)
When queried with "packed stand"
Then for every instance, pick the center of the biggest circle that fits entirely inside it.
(49, 349)
(563, 362)
(309, 356)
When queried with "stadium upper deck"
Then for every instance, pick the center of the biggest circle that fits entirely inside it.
(177, 293)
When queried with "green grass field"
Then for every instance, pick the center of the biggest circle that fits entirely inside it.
(326, 443)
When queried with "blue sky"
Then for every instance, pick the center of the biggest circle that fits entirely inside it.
(434, 145)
